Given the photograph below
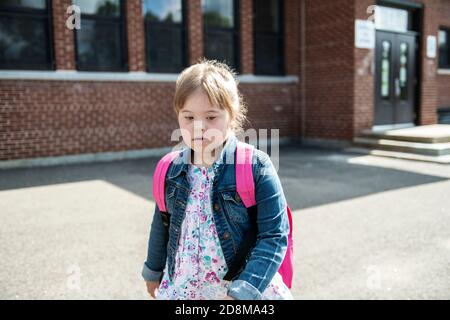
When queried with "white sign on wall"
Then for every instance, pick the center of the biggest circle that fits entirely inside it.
(364, 34)
(391, 19)
(431, 46)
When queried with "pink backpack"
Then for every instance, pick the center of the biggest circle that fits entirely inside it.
(245, 188)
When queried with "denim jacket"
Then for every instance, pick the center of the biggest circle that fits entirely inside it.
(231, 221)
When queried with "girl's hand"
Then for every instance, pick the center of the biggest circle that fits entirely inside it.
(152, 288)
(229, 298)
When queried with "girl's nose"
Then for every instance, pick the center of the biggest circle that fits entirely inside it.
(199, 126)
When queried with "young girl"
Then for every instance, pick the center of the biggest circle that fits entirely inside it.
(207, 217)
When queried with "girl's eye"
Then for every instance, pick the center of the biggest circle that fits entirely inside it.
(211, 118)
(189, 118)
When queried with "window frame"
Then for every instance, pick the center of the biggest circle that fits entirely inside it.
(184, 40)
(235, 31)
(122, 21)
(47, 16)
(281, 41)
(446, 49)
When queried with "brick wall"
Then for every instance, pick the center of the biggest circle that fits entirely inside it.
(195, 27)
(364, 79)
(63, 38)
(429, 86)
(444, 91)
(339, 94)
(271, 107)
(52, 118)
(444, 80)
(246, 36)
(292, 49)
(329, 69)
(135, 36)
(40, 118)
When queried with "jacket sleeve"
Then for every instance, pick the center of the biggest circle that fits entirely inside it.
(157, 249)
(273, 229)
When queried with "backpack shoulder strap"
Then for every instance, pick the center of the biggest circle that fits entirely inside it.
(245, 184)
(159, 179)
(245, 187)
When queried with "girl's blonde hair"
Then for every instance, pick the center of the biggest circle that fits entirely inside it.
(218, 81)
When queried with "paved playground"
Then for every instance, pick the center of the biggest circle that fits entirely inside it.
(365, 227)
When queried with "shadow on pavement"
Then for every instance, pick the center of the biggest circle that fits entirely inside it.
(310, 176)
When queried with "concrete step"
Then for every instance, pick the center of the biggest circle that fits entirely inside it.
(438, 133)
(400, 155)
(428, 149)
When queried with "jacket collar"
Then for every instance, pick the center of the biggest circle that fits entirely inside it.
(181, 163)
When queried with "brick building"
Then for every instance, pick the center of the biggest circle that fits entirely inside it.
(313, 69)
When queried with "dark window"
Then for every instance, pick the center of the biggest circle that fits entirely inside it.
(165, 35)
(268, 37)
(444, 48)
(25, 35)
(386, 69)
(221, 31)
(101, 41)
(403, 72)
(443, 115)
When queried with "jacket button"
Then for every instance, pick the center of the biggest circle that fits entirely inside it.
(226, 235)
(216, 207)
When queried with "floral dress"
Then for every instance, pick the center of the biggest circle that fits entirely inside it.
(199, 264)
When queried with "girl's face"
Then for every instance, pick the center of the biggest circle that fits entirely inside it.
(204, 126)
